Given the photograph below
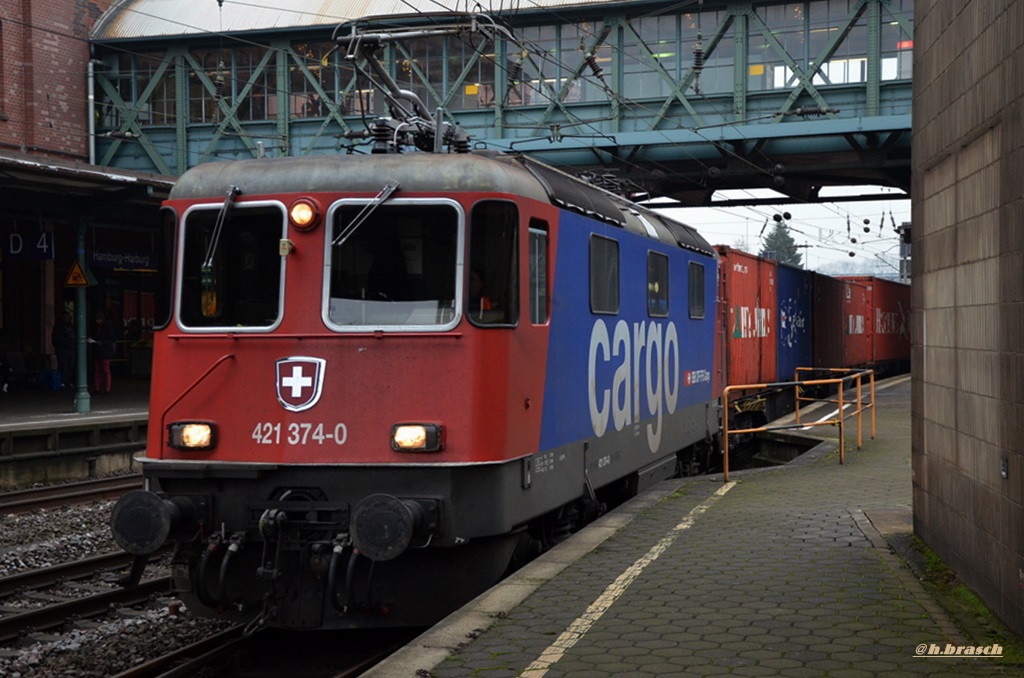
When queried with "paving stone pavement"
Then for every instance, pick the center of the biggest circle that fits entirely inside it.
(781, 573)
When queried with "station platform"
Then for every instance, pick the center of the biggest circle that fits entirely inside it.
(784, 571)
(32, 405)
(45, 438)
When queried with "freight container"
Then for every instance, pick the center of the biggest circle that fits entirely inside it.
(793, 299)
(859, 333)
(889, 303)
(828, 321)
(749, 315)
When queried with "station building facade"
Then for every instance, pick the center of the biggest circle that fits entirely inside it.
(968, 295)
(54, 200)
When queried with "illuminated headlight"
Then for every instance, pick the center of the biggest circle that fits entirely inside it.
(417, 437)
(304, 214)
(192, 435)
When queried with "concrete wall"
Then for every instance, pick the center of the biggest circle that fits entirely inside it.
(968, 293)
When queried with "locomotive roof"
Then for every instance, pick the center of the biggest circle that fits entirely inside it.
(418, 172)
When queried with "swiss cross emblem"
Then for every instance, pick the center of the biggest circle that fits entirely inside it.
(300, 382)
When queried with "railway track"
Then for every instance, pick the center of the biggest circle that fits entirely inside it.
(57, 609)
(276, 653)
(51, 496)
(43, 605)
(62, 605)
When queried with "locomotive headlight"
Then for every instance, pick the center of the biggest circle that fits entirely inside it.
(417, 437)
(192, 435)
(304, 214)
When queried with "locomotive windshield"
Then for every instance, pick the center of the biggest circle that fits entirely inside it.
(397, 268)
(231, 268)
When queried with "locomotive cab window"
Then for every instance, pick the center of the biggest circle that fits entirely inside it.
(696, 287)
(657, 285)
(232, 271)
(392, 265)
(492, 282)
(604, 275)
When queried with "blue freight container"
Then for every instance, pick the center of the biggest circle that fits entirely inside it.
(794, 298)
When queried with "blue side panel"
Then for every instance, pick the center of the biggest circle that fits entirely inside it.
(609, 372)
(795, 345)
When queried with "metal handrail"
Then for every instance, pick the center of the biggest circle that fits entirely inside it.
(852, 375)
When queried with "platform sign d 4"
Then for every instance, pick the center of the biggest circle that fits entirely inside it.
(28, 246)
(79, 276)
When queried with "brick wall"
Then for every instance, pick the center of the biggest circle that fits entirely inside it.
(968, 294)
(43, 84)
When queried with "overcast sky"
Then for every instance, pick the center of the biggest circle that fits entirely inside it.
(822, 227)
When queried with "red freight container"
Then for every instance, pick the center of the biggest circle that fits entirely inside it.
(748, 303)
(859, 333)
(890, 320)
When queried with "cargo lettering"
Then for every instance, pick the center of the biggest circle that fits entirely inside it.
(751, 323)
(890, 322)
(646, 352)
(855, 324)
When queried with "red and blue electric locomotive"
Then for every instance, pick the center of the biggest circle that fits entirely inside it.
(386, 375)
(385, 372)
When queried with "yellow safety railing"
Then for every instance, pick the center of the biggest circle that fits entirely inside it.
(853, 376)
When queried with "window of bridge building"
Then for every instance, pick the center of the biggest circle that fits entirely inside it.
(252, 68)
(420, 61)
(849, 63)
(202, 103)
(717, 75)
(577, 43)
(650, 45)
(130, 75)
(539, 82)
(897, 41)
(553, 56)
(804, 31)
(787, 27)
(244, 76)
(314, 85)
(473, 56)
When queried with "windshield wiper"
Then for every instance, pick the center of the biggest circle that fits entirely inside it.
(211, 250)
(364, 214)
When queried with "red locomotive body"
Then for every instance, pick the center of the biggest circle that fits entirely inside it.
(383, 375)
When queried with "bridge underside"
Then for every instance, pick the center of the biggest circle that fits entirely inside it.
(689, 172)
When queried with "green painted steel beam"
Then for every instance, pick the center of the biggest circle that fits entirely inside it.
(703, 117)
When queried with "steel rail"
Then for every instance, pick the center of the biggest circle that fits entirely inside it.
(22, 501)
(77, 569)
(53, 616)
(189, 660)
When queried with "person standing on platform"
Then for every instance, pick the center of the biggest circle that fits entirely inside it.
(102, 339)
(63, 338)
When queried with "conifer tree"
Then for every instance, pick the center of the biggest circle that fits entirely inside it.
(779, 245)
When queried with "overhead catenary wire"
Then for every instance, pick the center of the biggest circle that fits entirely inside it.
(547, 57)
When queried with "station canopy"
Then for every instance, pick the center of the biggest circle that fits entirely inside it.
(130, 19)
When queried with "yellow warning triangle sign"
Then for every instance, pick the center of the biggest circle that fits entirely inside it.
(76, 276)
